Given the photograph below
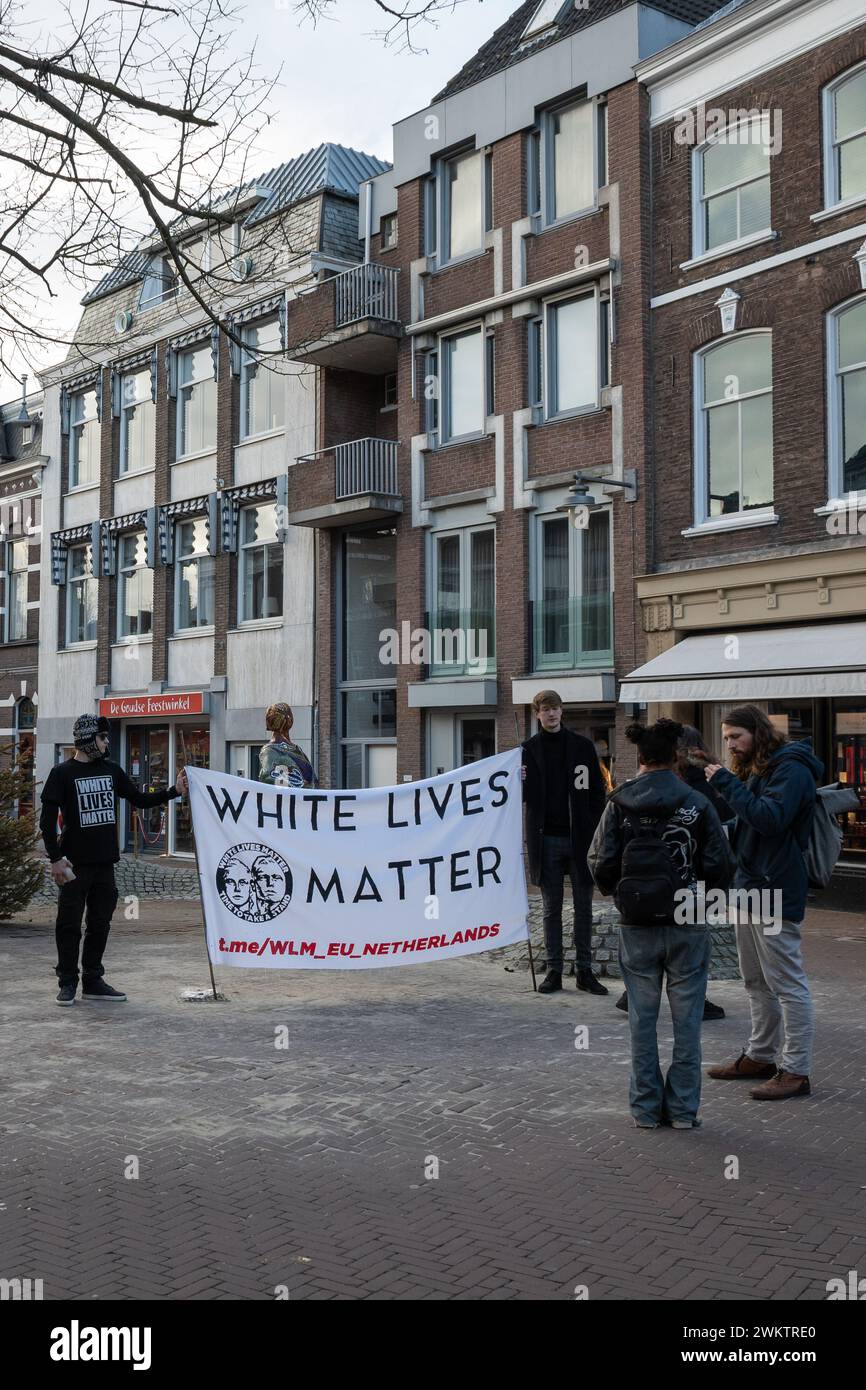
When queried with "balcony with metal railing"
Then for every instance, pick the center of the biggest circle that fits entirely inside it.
(345, 484)
(350, 321)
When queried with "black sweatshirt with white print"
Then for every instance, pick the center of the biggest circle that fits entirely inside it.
(86, 795)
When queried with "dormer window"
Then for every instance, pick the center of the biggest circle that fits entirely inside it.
(544, 18)
(159, 282)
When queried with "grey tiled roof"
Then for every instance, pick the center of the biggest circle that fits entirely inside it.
(329, 167)
(505, 47)
(722, 12)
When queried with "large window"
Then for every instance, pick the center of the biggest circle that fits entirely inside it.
(845, 138)
(847, 397)
(194, 576)
(570, 160)
(261, 565)
(262, 383)
(196, 402)
(134, 588)
(572, 605)
(566, 160)
(16, 591)
(368, 665)
(570, 380)
(81, 600)
(83, 439)
(734, 398)
(137, 420)
(463, 376)
(463, 617)
(732, 187)
(160, 282)
(463, 197)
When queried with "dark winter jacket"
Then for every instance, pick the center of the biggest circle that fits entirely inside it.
(695, 835)
(585, 802)
(696, 779)
(774, 820)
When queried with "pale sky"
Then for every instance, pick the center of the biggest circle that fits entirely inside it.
(339, 83)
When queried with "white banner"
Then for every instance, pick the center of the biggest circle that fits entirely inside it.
(337, 880)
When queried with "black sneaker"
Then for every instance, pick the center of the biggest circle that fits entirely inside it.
(99, 990)
(622, 1002)
(551, 982)
(66, 996)
(590, 983)
(712, 1010)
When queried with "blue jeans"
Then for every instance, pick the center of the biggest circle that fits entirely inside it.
(646, 955)
(557, 860)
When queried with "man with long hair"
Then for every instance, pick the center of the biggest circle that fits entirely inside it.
(771, 787)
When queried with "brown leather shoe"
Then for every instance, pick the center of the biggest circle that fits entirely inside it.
(744, 1069)
(784, 1086)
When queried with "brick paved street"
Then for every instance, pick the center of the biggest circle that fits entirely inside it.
(305, 1167)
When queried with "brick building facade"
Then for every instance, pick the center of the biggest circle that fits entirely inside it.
(509, 244)
(756, 582)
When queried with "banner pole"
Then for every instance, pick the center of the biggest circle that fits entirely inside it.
(201, 897)
(528, 931)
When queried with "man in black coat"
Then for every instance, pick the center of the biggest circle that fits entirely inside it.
(564, 796)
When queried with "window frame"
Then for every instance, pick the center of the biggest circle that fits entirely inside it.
(169, 282)
(549, 354)
(836, 494)
(76, 429)
(464, 535)
(180, 562)
(698, 208)
(123, 575)
(753, 515)
(274, 379)
(547, 161)
(388, 242)
(124, 471)
(186, 386)
(444, 358)
(244, 547)
(540, 520)
(832, 198)
(443, 184)
(80, 581)
(14, 576)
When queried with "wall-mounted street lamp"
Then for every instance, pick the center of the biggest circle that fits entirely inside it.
(579, 502)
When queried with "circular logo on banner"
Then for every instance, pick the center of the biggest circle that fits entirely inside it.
(254, 882)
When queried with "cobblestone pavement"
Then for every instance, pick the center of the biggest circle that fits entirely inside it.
(309, 1168)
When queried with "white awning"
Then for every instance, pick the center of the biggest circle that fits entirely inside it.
(771, 663)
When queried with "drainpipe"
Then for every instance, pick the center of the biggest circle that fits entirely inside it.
(368, 220)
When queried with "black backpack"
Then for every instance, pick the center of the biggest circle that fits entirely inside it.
(646, 893)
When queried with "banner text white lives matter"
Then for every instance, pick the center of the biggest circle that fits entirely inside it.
(354, 879)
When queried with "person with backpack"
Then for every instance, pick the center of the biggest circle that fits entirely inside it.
(693, 755)
(657, 841)
(564, 797)
(772, 788)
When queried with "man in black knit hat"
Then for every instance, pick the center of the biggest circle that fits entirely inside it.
(85, 791)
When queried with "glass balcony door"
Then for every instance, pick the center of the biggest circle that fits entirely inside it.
(572, 610)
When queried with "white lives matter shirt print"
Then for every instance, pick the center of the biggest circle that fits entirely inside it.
(337, 880)
(95, 801)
